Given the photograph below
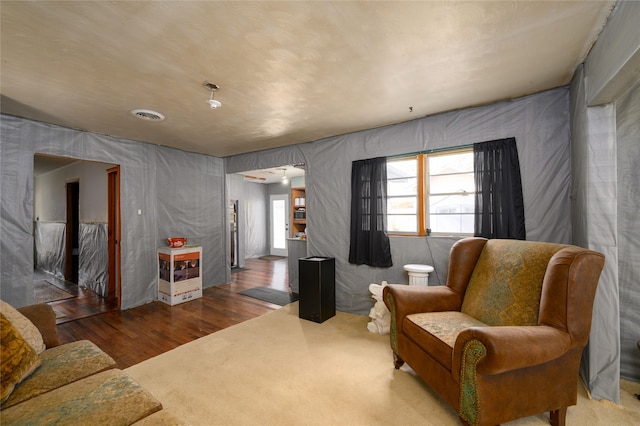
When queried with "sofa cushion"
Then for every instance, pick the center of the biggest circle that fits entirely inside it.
(59, 366)
(17, 358)
(111, 397)
(436, 332)
(506, 283)
(27, 329)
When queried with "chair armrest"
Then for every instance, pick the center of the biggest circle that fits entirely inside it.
(403, 300)
(511, 347)
(44, 318)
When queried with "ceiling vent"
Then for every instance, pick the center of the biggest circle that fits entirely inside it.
(147, 114)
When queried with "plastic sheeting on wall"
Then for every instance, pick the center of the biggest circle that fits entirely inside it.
(540, 124)
(176, 193)
(191, 203)
(93, 267)
(594, 227)
(50, 247)
(254, 208)
(628, 206)
(252, 216)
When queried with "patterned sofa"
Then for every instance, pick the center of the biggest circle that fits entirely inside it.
(46, 383)
(503, 339)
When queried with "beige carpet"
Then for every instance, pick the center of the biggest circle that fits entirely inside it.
(280, 370)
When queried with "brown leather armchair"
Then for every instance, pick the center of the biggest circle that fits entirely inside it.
(503, 339)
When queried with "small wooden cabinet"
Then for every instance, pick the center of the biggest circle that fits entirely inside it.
(298, 210)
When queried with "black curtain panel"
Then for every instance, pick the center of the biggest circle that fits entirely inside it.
(369, 239)
(499, 206)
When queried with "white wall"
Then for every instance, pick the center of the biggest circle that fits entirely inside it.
(50, 192)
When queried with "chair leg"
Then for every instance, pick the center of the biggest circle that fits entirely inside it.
(397, 361)
(558, 417)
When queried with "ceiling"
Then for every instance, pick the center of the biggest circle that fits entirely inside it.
(288, 72)
(274, 174)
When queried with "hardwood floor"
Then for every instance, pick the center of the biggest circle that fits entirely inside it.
(85, 303)
(137, 334)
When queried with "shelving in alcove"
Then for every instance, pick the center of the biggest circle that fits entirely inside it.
(298, 210)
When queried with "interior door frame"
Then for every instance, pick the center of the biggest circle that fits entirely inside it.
(272, 197)
(114, 288)
(72, 229)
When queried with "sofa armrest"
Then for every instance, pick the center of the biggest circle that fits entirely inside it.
(511, 347)
(44, 318)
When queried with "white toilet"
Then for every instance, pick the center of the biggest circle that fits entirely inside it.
(418, 274)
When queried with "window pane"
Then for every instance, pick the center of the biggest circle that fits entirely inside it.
(451, 163)
(402, 205)
(402, 223)
(402, 168)
(452, 223)
(440, 204)
(452, 183)
(279, 224)
(407, 186)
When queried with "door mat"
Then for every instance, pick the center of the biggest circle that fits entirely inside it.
(271, 257)
(238, 269)
(271, 295)
(45, 292)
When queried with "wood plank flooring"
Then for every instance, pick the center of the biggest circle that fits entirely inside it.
(137, 334)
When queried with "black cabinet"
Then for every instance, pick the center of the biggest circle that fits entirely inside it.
(317, 288)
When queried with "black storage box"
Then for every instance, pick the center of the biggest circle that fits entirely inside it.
(317, 288)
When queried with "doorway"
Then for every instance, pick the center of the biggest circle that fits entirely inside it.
(253, 189)
(76, 228)
(233, 238)
(279, 209)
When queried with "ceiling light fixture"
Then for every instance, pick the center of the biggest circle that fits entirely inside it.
(284, 177)
(212, 102)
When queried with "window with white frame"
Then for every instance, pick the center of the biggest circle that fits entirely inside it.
(431, 193)
(402, 195)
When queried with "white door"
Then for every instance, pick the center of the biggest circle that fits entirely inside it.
(279, 210)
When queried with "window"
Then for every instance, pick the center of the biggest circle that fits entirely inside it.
(431, 192)
(402, 195)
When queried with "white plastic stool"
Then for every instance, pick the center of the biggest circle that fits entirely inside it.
(418, 274)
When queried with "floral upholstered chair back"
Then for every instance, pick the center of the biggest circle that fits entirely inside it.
(506, 284)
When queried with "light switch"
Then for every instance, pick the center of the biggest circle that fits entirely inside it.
(139, 212)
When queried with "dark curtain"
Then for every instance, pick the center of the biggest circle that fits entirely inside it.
(369, 240)
(499, 204)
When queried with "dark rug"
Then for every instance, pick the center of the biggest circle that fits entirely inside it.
(271, 257)
(45, 292)
(238, 269)
(271, 295)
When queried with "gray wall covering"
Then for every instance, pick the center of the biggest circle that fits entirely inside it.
(605, 143)
(540, 124)
(593, 218)
(253, 217)
(178, 193)
(628, 206)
